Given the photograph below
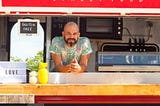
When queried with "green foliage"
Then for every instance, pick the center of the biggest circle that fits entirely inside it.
(16, 59)
(32, 63)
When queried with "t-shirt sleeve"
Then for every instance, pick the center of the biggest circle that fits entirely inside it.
(55, 46)
(86, 47)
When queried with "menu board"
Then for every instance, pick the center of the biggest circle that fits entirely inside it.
(28, 26)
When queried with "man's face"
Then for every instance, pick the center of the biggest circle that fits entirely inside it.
(71, 35)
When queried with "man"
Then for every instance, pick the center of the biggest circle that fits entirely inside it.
(70, 53)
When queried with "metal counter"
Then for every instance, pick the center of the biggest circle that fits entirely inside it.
(104, 78)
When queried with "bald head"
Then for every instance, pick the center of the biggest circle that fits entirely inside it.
(71, 33)
(71, 25)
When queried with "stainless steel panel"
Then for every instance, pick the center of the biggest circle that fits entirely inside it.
(104, 78)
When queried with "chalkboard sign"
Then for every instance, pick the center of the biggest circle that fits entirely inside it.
(28, 26)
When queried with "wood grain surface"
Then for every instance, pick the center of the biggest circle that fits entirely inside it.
(80, 89)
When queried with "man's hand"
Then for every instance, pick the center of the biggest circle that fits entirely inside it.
(75, 67)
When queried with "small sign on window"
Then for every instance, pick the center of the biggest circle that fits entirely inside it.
(28, 26)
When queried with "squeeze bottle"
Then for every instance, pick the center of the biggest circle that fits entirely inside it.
(43, 73)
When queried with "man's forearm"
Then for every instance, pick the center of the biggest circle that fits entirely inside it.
(83, 67)
(63, 68)
(67, 68)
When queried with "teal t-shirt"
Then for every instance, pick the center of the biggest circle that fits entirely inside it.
(83, 47)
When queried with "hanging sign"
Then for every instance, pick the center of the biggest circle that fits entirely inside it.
(28, 26)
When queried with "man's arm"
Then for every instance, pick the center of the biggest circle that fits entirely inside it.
(58, 63)
(74, 66)
(84, 61)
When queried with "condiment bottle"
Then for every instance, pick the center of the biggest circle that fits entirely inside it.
(43, 73)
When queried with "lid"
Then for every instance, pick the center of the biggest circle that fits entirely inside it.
(42, 65)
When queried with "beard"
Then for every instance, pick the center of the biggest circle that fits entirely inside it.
(70, 41)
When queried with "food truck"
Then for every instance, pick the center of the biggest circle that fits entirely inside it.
(124, 66)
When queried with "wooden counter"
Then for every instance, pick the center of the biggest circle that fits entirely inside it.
(86, 93)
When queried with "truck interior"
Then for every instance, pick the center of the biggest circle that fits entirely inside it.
(116, 34)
